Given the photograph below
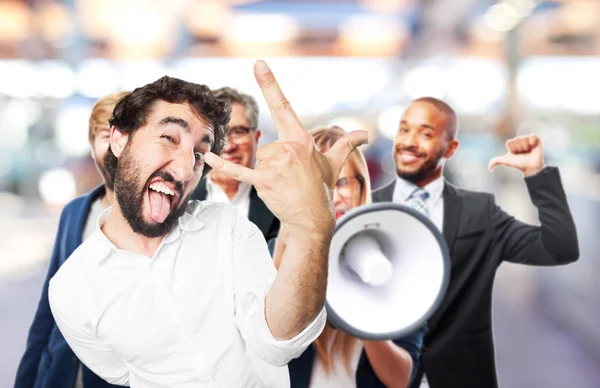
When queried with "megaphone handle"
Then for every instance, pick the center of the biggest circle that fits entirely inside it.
(331, 325)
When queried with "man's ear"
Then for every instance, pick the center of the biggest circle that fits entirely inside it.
(452, 146)
(118, 140)
(257, 136)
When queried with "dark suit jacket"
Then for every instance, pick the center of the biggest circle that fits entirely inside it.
(259, 213)
(458, 349)
(48, 362)
(301, 367)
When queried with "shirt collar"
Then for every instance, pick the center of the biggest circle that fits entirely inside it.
(188, 222)
(403, 189)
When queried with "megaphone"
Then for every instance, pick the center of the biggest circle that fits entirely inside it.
(389, 268)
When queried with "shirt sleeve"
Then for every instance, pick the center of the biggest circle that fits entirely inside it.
(253, 275)
(413, 344)
(81, 337)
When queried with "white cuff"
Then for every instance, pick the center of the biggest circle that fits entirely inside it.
(253, 324)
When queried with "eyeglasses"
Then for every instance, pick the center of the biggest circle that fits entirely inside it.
(350, 187)
(239, 134)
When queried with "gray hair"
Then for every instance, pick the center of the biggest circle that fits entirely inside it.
(247, 101)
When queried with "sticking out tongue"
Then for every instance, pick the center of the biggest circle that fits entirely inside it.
(160, 205)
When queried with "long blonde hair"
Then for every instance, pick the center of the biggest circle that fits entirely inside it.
(342, 343)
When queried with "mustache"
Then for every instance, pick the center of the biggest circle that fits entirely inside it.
(167, 177)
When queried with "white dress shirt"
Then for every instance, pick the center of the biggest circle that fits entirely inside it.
(191, 316)
(434, 204)
(241, 200)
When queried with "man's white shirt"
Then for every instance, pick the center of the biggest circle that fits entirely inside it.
(241, 200)
(191, 316)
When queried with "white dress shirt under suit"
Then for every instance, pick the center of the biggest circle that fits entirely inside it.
(191, 316)
(434, 204)
(241, 200)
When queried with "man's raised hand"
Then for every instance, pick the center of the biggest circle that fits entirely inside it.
(292, 177)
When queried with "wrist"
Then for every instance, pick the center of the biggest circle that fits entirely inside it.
(532, 170)
(310, 234)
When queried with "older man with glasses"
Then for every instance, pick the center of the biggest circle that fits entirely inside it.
(242, 143)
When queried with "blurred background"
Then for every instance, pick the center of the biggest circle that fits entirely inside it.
(508, 67)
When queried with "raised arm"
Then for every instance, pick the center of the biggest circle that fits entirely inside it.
(295, 181)
(554, 242)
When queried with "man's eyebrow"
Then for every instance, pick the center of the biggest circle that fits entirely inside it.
(422, 125)
(207, 138)
(175, 120)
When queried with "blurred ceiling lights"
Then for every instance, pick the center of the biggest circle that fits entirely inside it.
(252, 34)
(373, 35)
(15, 21)
(506, 14)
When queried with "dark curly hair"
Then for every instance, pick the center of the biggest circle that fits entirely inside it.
(131, 112)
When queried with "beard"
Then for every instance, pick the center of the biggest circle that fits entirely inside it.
(430, 165)
(130, 192)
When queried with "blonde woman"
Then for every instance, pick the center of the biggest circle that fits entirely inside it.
(48, 361)
(337, 359)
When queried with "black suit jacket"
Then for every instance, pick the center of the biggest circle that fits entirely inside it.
(458, 348)
(259, 213)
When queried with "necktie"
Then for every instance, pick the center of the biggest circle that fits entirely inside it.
(417, 200)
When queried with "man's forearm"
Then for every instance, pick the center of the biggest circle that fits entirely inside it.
(391, 363)
(298, 292)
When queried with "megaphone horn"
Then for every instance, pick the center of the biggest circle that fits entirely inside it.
(389, 268)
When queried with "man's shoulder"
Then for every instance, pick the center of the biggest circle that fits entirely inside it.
(77, 261)
(81, 203)
(72, 281)
(470, 194)
(384, 193)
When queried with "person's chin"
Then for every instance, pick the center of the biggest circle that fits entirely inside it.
(408, 170)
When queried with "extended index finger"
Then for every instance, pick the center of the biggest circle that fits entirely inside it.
(287, 123)
(232, 170)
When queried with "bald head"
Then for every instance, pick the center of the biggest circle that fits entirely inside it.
(446, 110)
(426, 137)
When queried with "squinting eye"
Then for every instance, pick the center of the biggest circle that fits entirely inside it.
(169, 138)
(199, 157)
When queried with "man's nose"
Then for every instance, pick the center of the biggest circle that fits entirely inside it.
(337, 198)
(229, 146)
(182, 166)
(409, 140)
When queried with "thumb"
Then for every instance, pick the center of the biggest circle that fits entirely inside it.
(344, 147)
(504, 160)
(534, 140)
